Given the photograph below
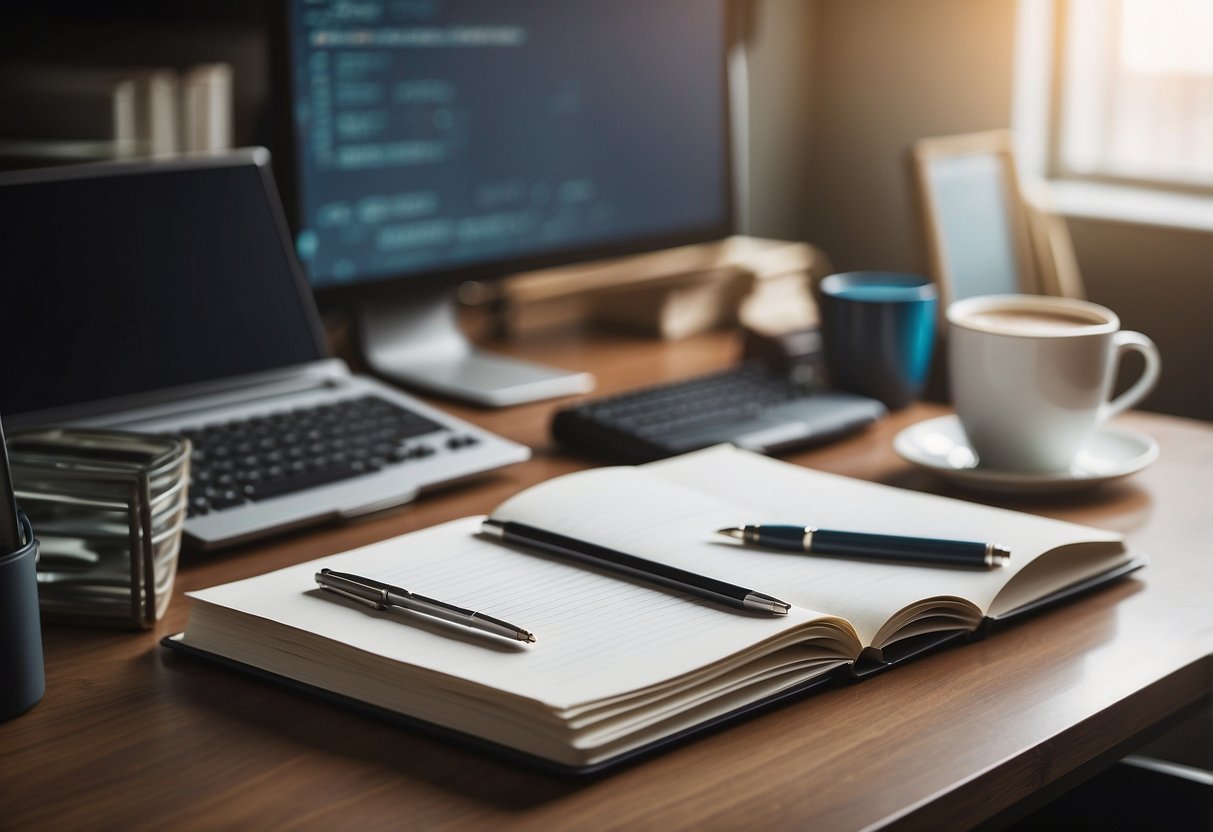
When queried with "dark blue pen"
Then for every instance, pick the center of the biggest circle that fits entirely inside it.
(877, 546)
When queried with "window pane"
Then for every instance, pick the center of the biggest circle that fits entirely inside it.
(1138, 95)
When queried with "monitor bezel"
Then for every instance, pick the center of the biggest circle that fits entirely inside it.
(286, 169)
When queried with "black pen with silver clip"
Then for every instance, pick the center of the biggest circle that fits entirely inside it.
(383, 596)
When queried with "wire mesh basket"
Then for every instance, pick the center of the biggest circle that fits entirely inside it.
(108, 509)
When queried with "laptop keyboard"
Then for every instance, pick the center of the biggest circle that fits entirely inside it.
(675, 417)
(249, 460)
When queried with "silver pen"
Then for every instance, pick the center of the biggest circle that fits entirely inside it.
(383, 596)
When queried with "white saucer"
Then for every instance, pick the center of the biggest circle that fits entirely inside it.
(940, 446)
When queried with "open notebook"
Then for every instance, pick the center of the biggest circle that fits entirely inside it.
(618, 666)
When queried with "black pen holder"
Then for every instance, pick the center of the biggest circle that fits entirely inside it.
(22, 680)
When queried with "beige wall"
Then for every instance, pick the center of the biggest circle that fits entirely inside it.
(859, 80)
(778, 37)
(1160, 282)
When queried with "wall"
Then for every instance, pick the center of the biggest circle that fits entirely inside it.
(888, 72)
(779, 49)
(883, 73)
(1160, 282)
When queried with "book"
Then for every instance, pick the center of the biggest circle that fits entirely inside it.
(620, 667)
(59, 114)
(206, 107)
(670, 293)
(698, 302)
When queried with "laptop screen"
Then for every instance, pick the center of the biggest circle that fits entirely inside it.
(144, 277)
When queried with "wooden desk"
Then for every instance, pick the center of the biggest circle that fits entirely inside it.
(130, 737)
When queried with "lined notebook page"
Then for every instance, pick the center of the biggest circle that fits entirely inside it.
(670, 510)
(596, 636)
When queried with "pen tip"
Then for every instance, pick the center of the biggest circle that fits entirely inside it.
(765, 603)
(529, 638)
(735, 532)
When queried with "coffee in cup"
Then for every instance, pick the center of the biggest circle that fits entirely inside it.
(1031, 376)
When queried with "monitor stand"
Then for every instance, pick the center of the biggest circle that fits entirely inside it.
(416, 340)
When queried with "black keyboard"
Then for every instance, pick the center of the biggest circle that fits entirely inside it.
(750, 406)
(254, 459)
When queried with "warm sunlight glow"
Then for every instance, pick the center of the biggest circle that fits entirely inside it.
(1170, 37)
(1138, 98)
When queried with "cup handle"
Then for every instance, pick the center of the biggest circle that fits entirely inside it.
(1127, 341)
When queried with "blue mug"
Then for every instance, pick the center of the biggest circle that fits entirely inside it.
(878, 333)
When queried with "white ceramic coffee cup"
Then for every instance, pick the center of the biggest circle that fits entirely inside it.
(1032, 375)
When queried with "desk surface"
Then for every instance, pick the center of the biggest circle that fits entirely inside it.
(130, 737)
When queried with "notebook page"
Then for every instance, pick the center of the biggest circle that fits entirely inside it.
(670, 510)
(596, 636)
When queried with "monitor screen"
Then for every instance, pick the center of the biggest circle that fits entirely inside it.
(122, 279)
(479, 137)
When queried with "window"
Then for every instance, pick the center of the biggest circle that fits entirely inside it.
(1136, 92)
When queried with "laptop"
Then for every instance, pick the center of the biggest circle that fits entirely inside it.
(164, 296)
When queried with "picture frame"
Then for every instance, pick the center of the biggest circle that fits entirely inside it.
(975, 222)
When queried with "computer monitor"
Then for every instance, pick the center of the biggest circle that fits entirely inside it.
(428, 142)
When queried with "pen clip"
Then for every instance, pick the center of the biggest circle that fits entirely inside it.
(329, 580)
(372, 604)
